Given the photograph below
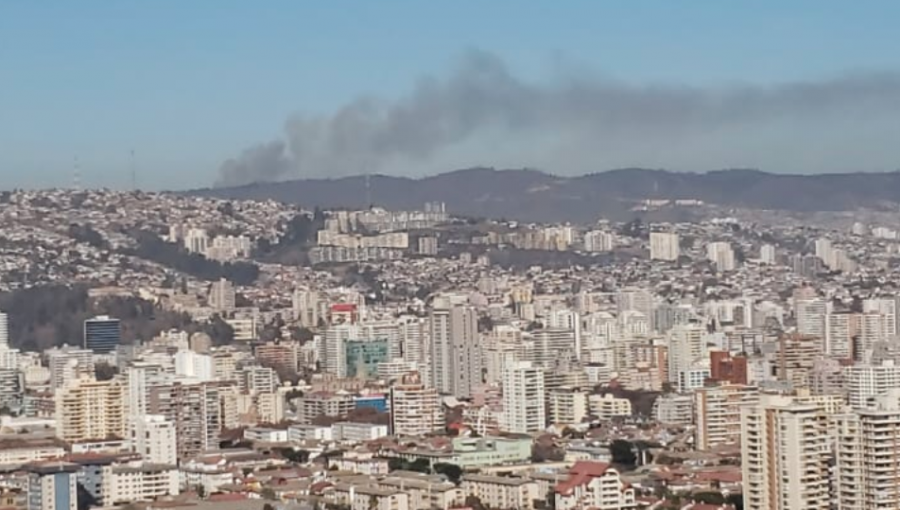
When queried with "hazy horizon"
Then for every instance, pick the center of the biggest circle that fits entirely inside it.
(246, 93)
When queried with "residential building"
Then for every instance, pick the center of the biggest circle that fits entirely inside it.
(415, 408)
(524, 408)
(87, 409)
(153, 437)
(865, 381)
(868, 456)
(126, 484)
(595, 485)
(717, 414)
(786, 452)
(222, 296)
(606, 407)
(664, 246)
(52, 486)
(455, 350)
(502, 491)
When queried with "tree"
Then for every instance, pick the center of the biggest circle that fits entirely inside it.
(736, 500)
(103, 371)
(297, 456)
(623, 453)
(451, 471)
(709, 497)
(475, 503)
(268, 506)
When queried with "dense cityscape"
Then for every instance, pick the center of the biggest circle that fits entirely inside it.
(169, 351)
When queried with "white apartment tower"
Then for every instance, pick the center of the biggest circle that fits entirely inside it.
(222, 296)
(597, 241)
(722, 255)
(886, 307)
(153, 437)
(786, 452)
(686, 347)
(524, 404)
(811, 316)
(866, 381)
(306, 304)
(664, 246)
(455, 350)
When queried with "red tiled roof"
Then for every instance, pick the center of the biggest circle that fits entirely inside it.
(581, 474)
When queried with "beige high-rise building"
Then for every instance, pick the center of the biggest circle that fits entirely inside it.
(415, 408)
(566, 406)
(868, 456)
(90, 409)
(717, 413)
(664, 246)
(686, 348)
(786, 452)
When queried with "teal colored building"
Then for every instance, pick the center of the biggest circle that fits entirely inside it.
(363, 356)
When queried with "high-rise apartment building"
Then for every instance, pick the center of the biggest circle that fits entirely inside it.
(4, 330)
(307, 304)
(153, 437)
(415, 408)
(767, 254)
(722, 255)
(664, 246)
(195, 411)
(566, 406)
(222, 296)
(686, 348)
(524, 404)
(551, 347)
(886, 307)
(90, 409)
(811, 316)
(717, 413)
(868, 456)
(866, 381)
(597, 241)
(455, 350)
(786, 453)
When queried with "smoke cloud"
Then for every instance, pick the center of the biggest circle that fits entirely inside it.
(481, 113)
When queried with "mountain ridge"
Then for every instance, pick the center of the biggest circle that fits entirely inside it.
(534, 195)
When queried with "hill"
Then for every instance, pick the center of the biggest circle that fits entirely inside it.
(536, 196)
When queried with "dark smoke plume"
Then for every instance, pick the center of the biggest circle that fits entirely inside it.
(579, 124)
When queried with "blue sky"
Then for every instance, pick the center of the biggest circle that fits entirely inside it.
(189, 84)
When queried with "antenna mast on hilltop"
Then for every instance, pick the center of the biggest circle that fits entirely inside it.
(76, 175)
(368, 177)
(133, 172)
